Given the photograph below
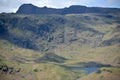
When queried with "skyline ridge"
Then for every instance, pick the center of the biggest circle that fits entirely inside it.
(73, 9)
(12, 6)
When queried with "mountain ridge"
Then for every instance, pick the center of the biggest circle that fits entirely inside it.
(74, 9)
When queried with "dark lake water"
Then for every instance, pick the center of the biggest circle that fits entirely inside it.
(87, 69)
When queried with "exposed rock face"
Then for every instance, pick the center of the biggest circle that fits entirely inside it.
(46, 32)
(75, 9)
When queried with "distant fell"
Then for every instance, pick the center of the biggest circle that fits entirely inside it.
(74, 9)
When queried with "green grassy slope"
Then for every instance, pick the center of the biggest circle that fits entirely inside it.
(104, 55)
(104, 74)
(24, 59)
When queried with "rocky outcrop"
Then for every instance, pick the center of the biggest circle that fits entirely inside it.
(9, 70)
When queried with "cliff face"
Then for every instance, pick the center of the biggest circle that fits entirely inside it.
(46, 32)
(31, 9)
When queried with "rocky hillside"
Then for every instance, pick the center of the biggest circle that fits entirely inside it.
(46, 32)
(44, 43)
